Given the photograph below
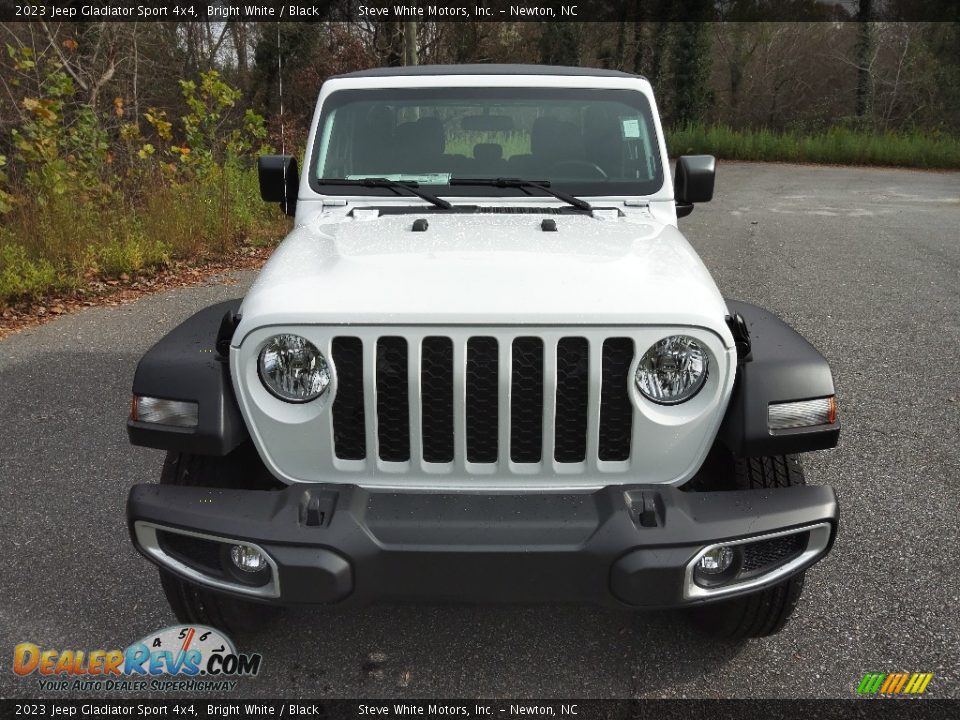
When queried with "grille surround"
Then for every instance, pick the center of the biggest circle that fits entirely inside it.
(411, 383)
(296, 443)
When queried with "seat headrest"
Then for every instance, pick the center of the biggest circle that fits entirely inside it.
(380, 119)
(599, 125)
(423, 136)
(554, 138)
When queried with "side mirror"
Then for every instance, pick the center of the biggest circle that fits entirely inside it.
(694, 181)
(279, 181)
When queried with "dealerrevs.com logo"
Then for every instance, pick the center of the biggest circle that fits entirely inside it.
(179, 658)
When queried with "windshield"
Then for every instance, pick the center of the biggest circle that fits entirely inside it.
(583, 141)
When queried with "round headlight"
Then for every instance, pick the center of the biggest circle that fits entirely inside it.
(292, 369)
(673, 370)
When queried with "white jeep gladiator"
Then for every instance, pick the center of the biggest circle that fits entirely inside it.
(484, 366)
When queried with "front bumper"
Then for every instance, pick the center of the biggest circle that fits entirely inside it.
(621, 545)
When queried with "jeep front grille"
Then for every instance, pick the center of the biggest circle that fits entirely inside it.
(503, 399)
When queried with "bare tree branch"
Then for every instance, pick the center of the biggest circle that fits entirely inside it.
(63, 59)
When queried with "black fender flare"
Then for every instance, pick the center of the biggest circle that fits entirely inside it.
(782, 366)
(187, 365)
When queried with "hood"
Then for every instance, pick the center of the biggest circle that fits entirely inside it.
(490, 269)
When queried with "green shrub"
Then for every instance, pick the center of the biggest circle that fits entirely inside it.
(77, 213)
(22, 277)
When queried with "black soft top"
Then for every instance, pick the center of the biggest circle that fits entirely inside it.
(486, 69)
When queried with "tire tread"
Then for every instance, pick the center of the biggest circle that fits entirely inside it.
(766, 612)
(192, 603)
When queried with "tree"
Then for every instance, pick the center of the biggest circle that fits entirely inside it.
(560, 43)
(864, 60)
(690, 65)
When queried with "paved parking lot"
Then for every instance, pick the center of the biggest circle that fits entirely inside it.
(864, 262)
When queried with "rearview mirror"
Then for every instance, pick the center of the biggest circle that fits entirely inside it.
(693, 182)
(279, 181)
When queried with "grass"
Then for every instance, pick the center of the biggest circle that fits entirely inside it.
(836, 146)
(60, 244)
(513, 142)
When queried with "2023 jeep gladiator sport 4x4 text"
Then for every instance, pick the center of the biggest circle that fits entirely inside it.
(485, 365)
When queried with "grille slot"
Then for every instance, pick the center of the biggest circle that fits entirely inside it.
(616, 411)
(199, 553)
(349, 419)
(775, 551)
(393, 409)
(436, 397)
(482, 401)
(526, 400)
(570, 431)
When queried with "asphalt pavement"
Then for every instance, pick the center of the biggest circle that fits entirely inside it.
(864, 262)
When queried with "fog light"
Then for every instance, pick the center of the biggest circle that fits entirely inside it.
(247, 558)
(716, 561)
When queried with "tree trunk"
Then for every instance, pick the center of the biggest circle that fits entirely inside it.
(865, 43)
(238, 29)
(136, 78)
(560, 43)
(621, 51)
(639, 54)
(409, 43)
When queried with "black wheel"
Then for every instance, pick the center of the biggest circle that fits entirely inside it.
(195, 604)
(765, 612)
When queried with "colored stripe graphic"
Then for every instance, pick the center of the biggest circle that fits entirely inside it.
(871, 683)
(894, 683)
(890, 683)
(918, 683)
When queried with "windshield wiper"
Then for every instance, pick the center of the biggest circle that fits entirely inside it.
(523, 184)
(411, 186)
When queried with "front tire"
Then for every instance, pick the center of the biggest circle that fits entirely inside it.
(766, 612)
(193, 604)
